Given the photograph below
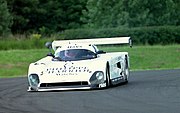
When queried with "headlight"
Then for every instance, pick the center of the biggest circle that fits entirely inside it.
(33, 80)
(97, 77)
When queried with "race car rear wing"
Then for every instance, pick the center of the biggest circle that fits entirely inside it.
(96, 41)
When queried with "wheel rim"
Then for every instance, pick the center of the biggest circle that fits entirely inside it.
(126, 74)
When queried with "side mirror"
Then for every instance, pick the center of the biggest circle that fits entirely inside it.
(50, 54)
(48, 45)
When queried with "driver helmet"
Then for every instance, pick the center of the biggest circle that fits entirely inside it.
(70, 53)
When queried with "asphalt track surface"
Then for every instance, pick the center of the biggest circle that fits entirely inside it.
(146, 92)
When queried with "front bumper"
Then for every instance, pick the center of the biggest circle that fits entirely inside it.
(63, 88)
(60, 89)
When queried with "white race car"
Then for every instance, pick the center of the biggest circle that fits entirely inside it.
(78, 64)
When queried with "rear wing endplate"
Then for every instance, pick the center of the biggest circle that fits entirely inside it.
(95, 41)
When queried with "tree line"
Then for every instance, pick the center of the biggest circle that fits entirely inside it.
(49, 16)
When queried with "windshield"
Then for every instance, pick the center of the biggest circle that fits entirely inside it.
(75, 54)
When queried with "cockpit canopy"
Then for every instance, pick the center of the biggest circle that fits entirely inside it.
(75, 54)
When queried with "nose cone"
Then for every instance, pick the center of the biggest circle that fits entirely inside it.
(66, 72)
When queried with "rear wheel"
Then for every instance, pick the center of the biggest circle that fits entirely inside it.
(126, 71)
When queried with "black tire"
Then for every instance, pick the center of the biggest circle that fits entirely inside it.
(108, 81)
(126, 71)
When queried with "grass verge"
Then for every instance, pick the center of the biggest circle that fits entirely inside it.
(14, 63)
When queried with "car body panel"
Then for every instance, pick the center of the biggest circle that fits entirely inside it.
(52, 74)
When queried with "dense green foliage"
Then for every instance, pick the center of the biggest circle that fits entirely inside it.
(139, 35)
(132, 13)
(5, 18)
(146, 21)
(47, 16)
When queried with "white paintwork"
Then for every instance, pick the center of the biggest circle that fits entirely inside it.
(50, 71)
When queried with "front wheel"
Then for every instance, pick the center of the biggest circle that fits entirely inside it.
(108, 81)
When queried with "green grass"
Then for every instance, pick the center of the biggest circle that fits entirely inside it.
(14, 63)
(23, 43)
